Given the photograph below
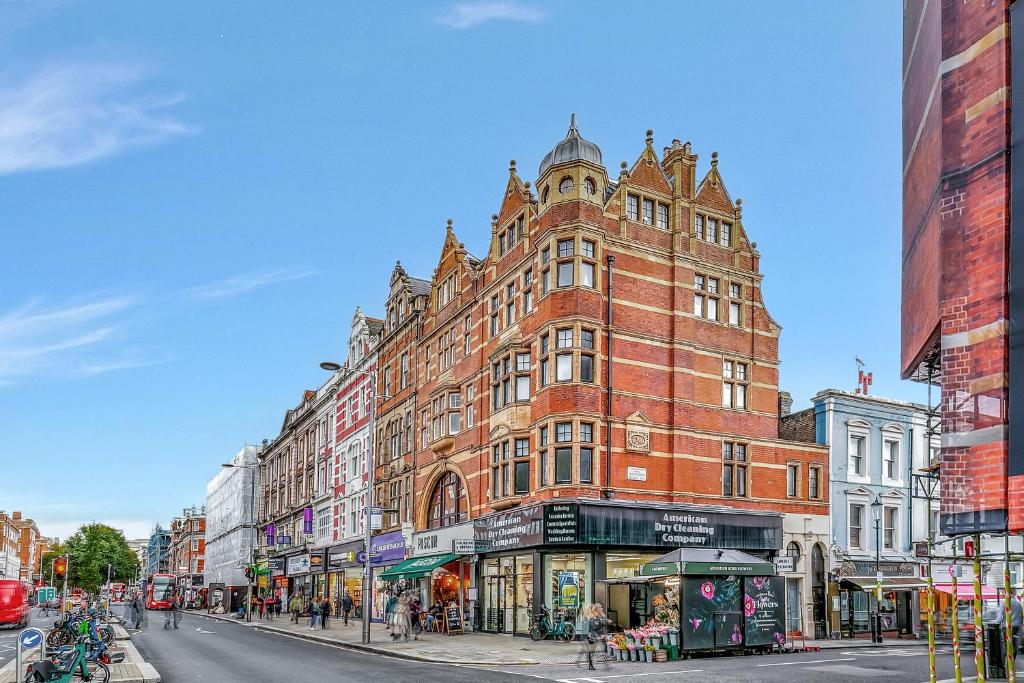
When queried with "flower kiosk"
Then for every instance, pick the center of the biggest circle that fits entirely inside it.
(708, 600)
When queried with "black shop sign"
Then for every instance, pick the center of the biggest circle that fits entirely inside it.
(593, 524)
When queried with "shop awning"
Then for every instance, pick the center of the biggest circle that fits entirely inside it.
(965, 590)
(889, 583)
(416, 567)
(707, 561)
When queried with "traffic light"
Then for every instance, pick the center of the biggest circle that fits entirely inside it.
(250, 573)
(60, 567)
(969, 548)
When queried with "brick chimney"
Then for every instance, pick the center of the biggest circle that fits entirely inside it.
(785, 403)
(16, 516)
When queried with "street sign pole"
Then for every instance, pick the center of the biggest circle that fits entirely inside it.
(28, 640)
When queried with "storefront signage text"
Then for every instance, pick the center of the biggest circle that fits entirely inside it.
(516, 529)
(687, 530)
(561, 523)
(298, 564)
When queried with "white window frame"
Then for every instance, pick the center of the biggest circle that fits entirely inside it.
(858, 429)
(862, 504)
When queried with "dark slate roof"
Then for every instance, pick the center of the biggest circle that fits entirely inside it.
(375, 325)
(419, 287)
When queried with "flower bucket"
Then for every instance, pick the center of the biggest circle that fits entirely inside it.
(622, 655)
(673, 638)
(636, 655)
(649, 655)
(656, 642)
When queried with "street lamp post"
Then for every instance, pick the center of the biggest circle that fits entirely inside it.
(252, 524)
(876, 512)
(367, 598)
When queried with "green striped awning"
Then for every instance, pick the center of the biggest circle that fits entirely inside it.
(416, 567)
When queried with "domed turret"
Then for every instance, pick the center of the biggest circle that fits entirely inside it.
(572, 148)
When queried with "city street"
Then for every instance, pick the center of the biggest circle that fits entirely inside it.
(9, 636)
(209, 650)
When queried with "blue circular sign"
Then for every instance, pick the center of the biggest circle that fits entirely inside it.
(30, 638)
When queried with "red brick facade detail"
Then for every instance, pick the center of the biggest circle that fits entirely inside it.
(956, 237)
(669, 365)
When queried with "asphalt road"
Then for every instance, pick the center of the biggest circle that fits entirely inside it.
(9, 636)
(210, 650)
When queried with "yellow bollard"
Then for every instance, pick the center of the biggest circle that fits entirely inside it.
(956, 626)
(1011, 672)
(931, 623)
(979, 636)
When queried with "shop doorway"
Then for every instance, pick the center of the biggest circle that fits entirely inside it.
(818, 596)
(500, 599)
(793, 605)
(508, 594)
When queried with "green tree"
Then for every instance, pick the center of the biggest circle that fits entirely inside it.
(90, 550)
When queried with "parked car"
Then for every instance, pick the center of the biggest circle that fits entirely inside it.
(14, 607)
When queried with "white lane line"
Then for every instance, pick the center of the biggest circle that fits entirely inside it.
(653, 673)
(811, 661)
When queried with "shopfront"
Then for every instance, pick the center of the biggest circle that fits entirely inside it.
(299, 582)
(386, 550)
(560, 556)
(318, 574)
(345, 573)
(440, 567)
(857, 596)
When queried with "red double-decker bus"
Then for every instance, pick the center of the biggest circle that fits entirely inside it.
(117, 592)
(160, 591)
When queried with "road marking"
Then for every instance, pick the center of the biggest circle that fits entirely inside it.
(201, 630)
(812, 661)
(654, 673)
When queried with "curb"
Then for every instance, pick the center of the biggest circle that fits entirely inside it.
(149, 672)
(360, 647)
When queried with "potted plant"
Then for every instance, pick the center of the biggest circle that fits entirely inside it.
(649, 653)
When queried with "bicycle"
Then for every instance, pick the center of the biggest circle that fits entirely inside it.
(542, 627)
(68, 665)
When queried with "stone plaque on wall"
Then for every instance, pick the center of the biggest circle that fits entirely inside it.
(638, 433)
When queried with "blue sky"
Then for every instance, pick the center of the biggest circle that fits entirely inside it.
(195, 196)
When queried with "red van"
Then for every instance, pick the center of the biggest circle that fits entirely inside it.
(14, 609)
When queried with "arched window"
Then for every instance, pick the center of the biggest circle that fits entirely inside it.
(793, 550)
(448, 504)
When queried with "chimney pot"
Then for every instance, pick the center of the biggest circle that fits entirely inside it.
(785, 403)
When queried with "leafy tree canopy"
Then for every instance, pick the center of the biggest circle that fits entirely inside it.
(89, 551)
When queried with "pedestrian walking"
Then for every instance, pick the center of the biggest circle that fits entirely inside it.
(400, 628)
(129, 611)
(314, 614)
(415, 609)
(140, 610)
(346, 606)
(1016, 621)
(389, 611)
(277, 606)
(325, 612)
(597, 630)
(261, 606)
(295, 606)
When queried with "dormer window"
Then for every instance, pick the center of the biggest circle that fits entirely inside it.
(565, 185)
(590, 186)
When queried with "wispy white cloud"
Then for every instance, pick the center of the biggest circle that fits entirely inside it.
(92, 368)
(35, 339)
(72, 114)
(246, 282)
(469, 14)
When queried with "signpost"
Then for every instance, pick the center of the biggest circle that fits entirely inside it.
(28, 640)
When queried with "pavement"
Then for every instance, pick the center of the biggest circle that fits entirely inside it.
(134, 669)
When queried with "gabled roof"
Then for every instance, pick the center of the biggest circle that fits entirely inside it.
(647, 172)
(711, 192)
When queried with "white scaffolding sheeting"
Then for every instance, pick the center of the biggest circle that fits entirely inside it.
(229, 519)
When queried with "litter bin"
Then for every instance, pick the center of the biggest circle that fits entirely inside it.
(995, 651)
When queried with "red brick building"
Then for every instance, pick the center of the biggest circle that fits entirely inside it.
(956, 248)
(569, 436)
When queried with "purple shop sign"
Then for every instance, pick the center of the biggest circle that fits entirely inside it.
(387, 548)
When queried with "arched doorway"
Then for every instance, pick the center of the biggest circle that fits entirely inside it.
(818, 591)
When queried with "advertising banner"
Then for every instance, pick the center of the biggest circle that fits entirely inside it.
(764, 610)
(569, 589)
